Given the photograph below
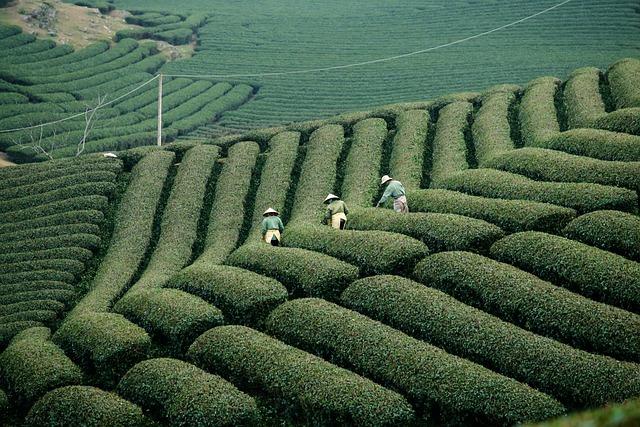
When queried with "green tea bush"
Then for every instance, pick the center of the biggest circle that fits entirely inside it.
(42, 232)
(623, 79)
(582, 99)
(583, 197)
(42, 316)
(10, 99)
(419, 370)
(510, 215)
(449, 146)
(40, 275)
(318, 392)
(105, 344)
(84, 405)
(16, 40)
(318, 174)
(10, 330)
(373, 252)
(9, 30)
(523, 299)
(243, 297)
(52, 225)
(80, 254)
(596, 143)
(194, 103)
(171, 315)
(44, 56)
(304, 273)
(590, 271)
(491, 129)
(67, 265)
(37, 285)
(63, 295)
(98, 188)
(440, 232)
(182, 394)
(150, 97)
(575, 377)
(133, 226)
(361, 172)
(4, 402)
(26, 180)
(48, 305)
(624, 414)
(614, 231)
(537, 115)
(275, 179)
(173, 100)
(87, 241)
(104, 6)
(550, 165)
(36, 46)
(32, 365)
(408, 147)
(175, 37)
(626, 120)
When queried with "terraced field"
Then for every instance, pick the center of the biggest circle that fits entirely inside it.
(136, 289)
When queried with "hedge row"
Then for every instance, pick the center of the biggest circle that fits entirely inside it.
(510, 215)
(53, 224)
(47, 305)
(275, 179)
(537, 115)
(44, 57)
(64, 295)
(26, 175)
(67, 265)
(373, 252)
(179, 393)
(590, 271)
(491, 129)
(583, 197)
(37, 276)
(318, 174)
(625, 414)
(86, 241)
(243, 297)
(626, 120)
(318, 392)
(132, 232)
(575, 377)
(8, 288)
(42, 316)
(32, 365)
(449, 145)
(582, 99)
(623, 79)
(10, 330)
(437, 382)
(408, 147)
(12, 100)
(84, 405)
(27, 233)
(37, 46)
(440, 232)
(550, 165)
(194, 100)
(62, 55)
(150, 96)
(172, 101)
(596, 143)
(304, 273)
(533, 304)
(122, 80)
(16, 40)
(76, 253)
(613, 231)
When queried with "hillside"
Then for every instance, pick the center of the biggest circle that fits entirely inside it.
(136, 289)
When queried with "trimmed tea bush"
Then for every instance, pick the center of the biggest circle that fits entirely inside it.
(408, 147)
(87, 241)
(449, 145)
(595, 143)
(574, 377)
(510, 215)
(243, 296)
(303, 272)
(18, 192)
(440, 232)
(83, 405)
(624, 414)
(435, 380)
(373, 252)
(593, 272)
(60, 206)
(626, 120)
(319, 392)
(491, 129)
(182, 394)
(52, 225)
(523, 299)
(48, 305)
(10, 330)
(623, 79)
(582, 100)
(62, 295)
(537, 115)
(613, 231)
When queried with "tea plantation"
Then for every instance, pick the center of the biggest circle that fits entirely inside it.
(135, 290)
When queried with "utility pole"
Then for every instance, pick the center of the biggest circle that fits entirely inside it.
(160, 111)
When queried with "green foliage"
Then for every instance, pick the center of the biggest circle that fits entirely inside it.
(171, 315)
(623, 79)
(61, 294)
(374, 252)
(84, 405)
(106, 344)
(80, 254)
(510, 215)
(583, 197)
(79, 190)
(67, 265)
(537, 115)
(582, 100)
(42, 316)
(574, 377)
(593, 272)
(10, 99)
(595, 143)
(626, 414)
(47, 305)
(32, 365)
(243, 296)
(83, 221)
(30, 178)
(318, 392)
(473, 392)
(87, 241)
(440, 232)
(11, 329)
(361, 179)
(408, 147)
(613, 231)
(533, 304)
(449, 145)
(491, 129)
(626, 120)
(304, 273)
(182, 394)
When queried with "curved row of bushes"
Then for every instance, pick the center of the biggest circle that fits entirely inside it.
(409, 146)
(623, 81)
(449, 145)
(491, 129)
(82, 221)
(537, 114)
(595, 143)
(626, 120)
(582, 99)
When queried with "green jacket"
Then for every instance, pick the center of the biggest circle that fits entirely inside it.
(337, 206)
(272, 223)
(395, 189)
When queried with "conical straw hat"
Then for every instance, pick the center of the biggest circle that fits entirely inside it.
(270, 211)
(330, 197)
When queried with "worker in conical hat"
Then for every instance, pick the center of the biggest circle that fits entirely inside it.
(395, 190)
(272, 227)
(336, 214)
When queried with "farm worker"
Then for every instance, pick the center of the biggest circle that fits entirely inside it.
(272, 227)
(394, 189)
(336, 212)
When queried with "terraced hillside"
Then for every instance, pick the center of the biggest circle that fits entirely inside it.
(510, 293)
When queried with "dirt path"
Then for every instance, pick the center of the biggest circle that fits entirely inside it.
(4, 162)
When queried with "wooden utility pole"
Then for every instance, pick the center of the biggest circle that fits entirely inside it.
(160, 111)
